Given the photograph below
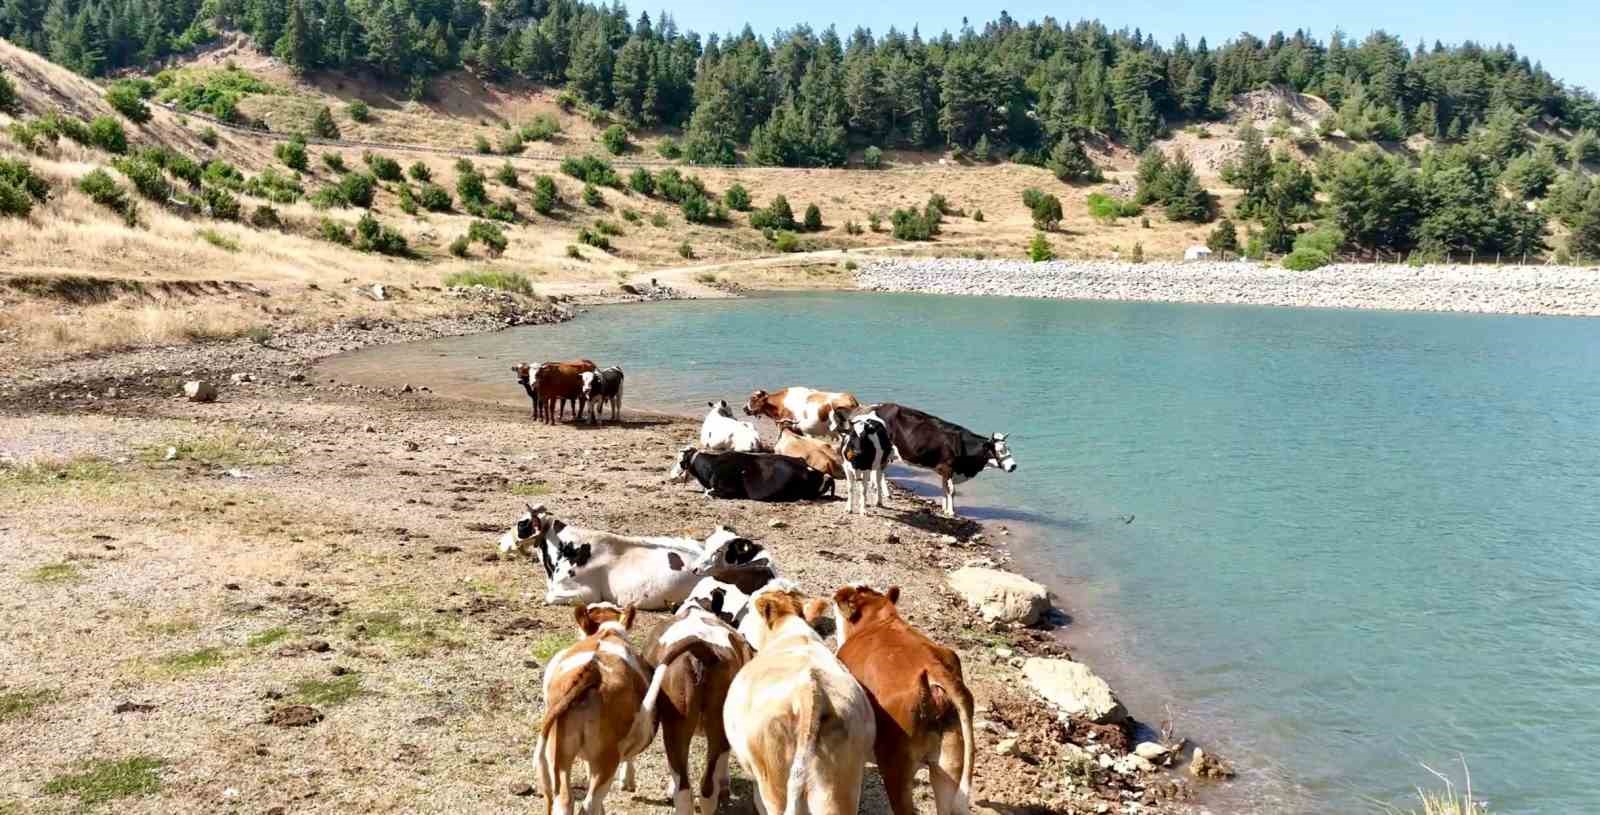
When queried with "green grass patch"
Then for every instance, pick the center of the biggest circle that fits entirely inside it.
(530, 489)
(548, 645)
(218, 240)
(335, 691)
(16, 704)
(411, 637)
(191, 661)
(102, 780)
(45, 473)
(171, 628)
(229, 448)
(262, 639)
(63, 572)
(492, 278)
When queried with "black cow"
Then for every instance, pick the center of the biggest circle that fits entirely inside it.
(952, 451)
(757, 476)
(600, 387)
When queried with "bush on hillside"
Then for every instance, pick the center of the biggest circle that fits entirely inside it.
(323, 125)
(592, 196)
(13, 200)
(20, 174)
(786, 241)
(512, 143)
(481, 144)
(220, 203)
(350, 190)
(507, 175)
(208, 136)
(685, 251)
(358, 111)
(105, 191)
(371, 236)
(872, 158)
(775, 215)
(488, 234)
(669, 149)
(615, 139)
(265, 217)
(1107, 209)
(1039, 249)
(1046, 211)
(1071, 163)
(593, 170)
(385, 168)
(9, 102)
(334, 162)
(912, 225)
(433, 197)
(147, 178)
(470, 189)
(293, 154)
(698, 209)
(813, 218)
(1314, 249)
(640, 181)
(737, 197)
(515, 282)
(127, 99)
(107, 134)
(590, 237)
(1224, 239)
(334, 232)
(543, 127)
(545, 195)
(419, 172)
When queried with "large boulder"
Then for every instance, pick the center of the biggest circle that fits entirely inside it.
(1075, 689)
(1002, 596)
(200, 390)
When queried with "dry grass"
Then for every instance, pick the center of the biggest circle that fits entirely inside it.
(15, 704)
(1447, 801)
(229, 447)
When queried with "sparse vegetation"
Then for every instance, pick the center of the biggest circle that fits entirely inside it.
(615, 139)
(127, 98)
(327, 692)
(543, 127)
(105, 191)
(592, 170)
(293, 154)
(686, 252)
(529, 489)
(383, 167)
(1039, 249)
(592, 196)
(218, 240)
(358, 111)
(270, 636)
(191, 661)
(63, 572)
(15, 704)
(545, 195)
(102, 780)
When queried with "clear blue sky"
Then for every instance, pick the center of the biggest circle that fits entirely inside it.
(1556, 32)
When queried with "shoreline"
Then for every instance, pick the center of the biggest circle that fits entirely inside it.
(68, 409)
(1482, 289)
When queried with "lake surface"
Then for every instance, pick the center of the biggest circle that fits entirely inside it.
(1362, 541)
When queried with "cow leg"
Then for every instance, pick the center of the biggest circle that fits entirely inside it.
(675, 737)
(949, 497)
(715, 782)
(898, 772)
(945, 773)
(880, 481)
(629, 784)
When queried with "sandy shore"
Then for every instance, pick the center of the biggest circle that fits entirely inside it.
(1508, 289)
(317, 543)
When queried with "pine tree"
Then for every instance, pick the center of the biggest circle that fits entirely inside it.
(298, 46)
(590, 69)
(1186, 198)
(1151, 177)
(1251, 172)
(1071, 163)
(323, 125)
(1224, 239)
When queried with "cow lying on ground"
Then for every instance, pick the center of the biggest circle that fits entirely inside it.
(798, 722)
(601, 388)
(919, 698)
(736, 561)
(865, 448)
(589, 566)
(808, 409)
(696, 655)
(756, 476)
(592, 691)
(720, 432)
(818, 454)
(952, 451)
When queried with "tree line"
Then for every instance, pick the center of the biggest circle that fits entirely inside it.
(801, 97)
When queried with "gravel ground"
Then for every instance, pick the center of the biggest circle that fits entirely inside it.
(1485, 289)
(180, 575)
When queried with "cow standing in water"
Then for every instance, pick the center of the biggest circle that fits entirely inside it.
(954, 452)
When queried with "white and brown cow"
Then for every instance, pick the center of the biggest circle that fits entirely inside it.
(798, 722)
(818, 454)
(696, 655)
(808, 409)
(592, 691)
(919, 698)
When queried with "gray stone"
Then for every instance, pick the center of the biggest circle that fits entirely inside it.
(200, 390)
(1150, 751)
(1000, 596)
(1075, 689)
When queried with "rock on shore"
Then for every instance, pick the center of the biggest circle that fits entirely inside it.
(1483, 288)
(1075, 689)
(1001, 596)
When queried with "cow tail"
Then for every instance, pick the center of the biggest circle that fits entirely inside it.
(805, 746)
(960, 698)
(643, 729)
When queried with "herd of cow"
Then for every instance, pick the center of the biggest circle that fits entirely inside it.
(744, 660)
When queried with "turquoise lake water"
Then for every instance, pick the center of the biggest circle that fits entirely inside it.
(1362, 541)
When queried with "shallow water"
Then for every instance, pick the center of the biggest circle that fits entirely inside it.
(1361, 541)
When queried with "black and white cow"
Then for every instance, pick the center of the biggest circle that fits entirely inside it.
(954, 452)
(601, 388)
(585, 566)
(756, 476)
(865, 446)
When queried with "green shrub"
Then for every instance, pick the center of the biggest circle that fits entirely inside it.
(208, 136)
(590, 237)
(33, 135)
(852, 228)
(335, 162)
(592, 196)
(686, 251)
(492, 278)
(358, 111)
(659, 220)
(13, 200)
(1137, 255)
(813, 218)
(8, 94)
(545, 195)
(350, 190)
(183, 168)
(615, 139)
(469, 187)
(433, 197)
(1107, 209)
(70, 126)
(698, 209)
(220, 203)
(1305, 259)
(507, 175)
(1031, 196)
(872, 158)
(676, 187)
(786, 241)
(385, 168)
(408, 200)
(459, 246)
(482, 145)
(293, 154)
(1224, 239)
(737, 197)
(219, 173)
(543, 127)
(218, 240)
(488, 234)
(1046, 212)
(275, 187)
(19, 174)
(107, 134)
(912, 225)
(512, 144)
(126, 98)
(105, 191)
(630, 215)
(370, 236)
(265, 217)
(669, 149)
(874, 222)
(606, 227)
(214, 92)
(323, 125)
(640, 181)
(147, 178)
(333, 231)
(1039, 249)
(593, 170)
(419, 172)
(775, 215)
(977, 215)
(574, 252)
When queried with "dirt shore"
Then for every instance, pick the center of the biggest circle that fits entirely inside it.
(290, 601)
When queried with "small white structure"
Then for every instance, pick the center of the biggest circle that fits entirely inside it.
(1197, 252)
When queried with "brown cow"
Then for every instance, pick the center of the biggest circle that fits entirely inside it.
(554, 383)
(809, 409)
(819, 455)
(921, 703)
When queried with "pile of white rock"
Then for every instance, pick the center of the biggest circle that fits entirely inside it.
(1482, 288)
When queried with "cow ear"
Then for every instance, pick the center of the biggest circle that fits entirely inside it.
(580, 556)
(627, 616)
(816, 609)
(718, 597)
(586, 625)
(712, 405)
(845, 599)
(894, 594)
(770, 606)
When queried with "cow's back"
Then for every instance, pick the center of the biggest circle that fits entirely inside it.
(919, 438)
